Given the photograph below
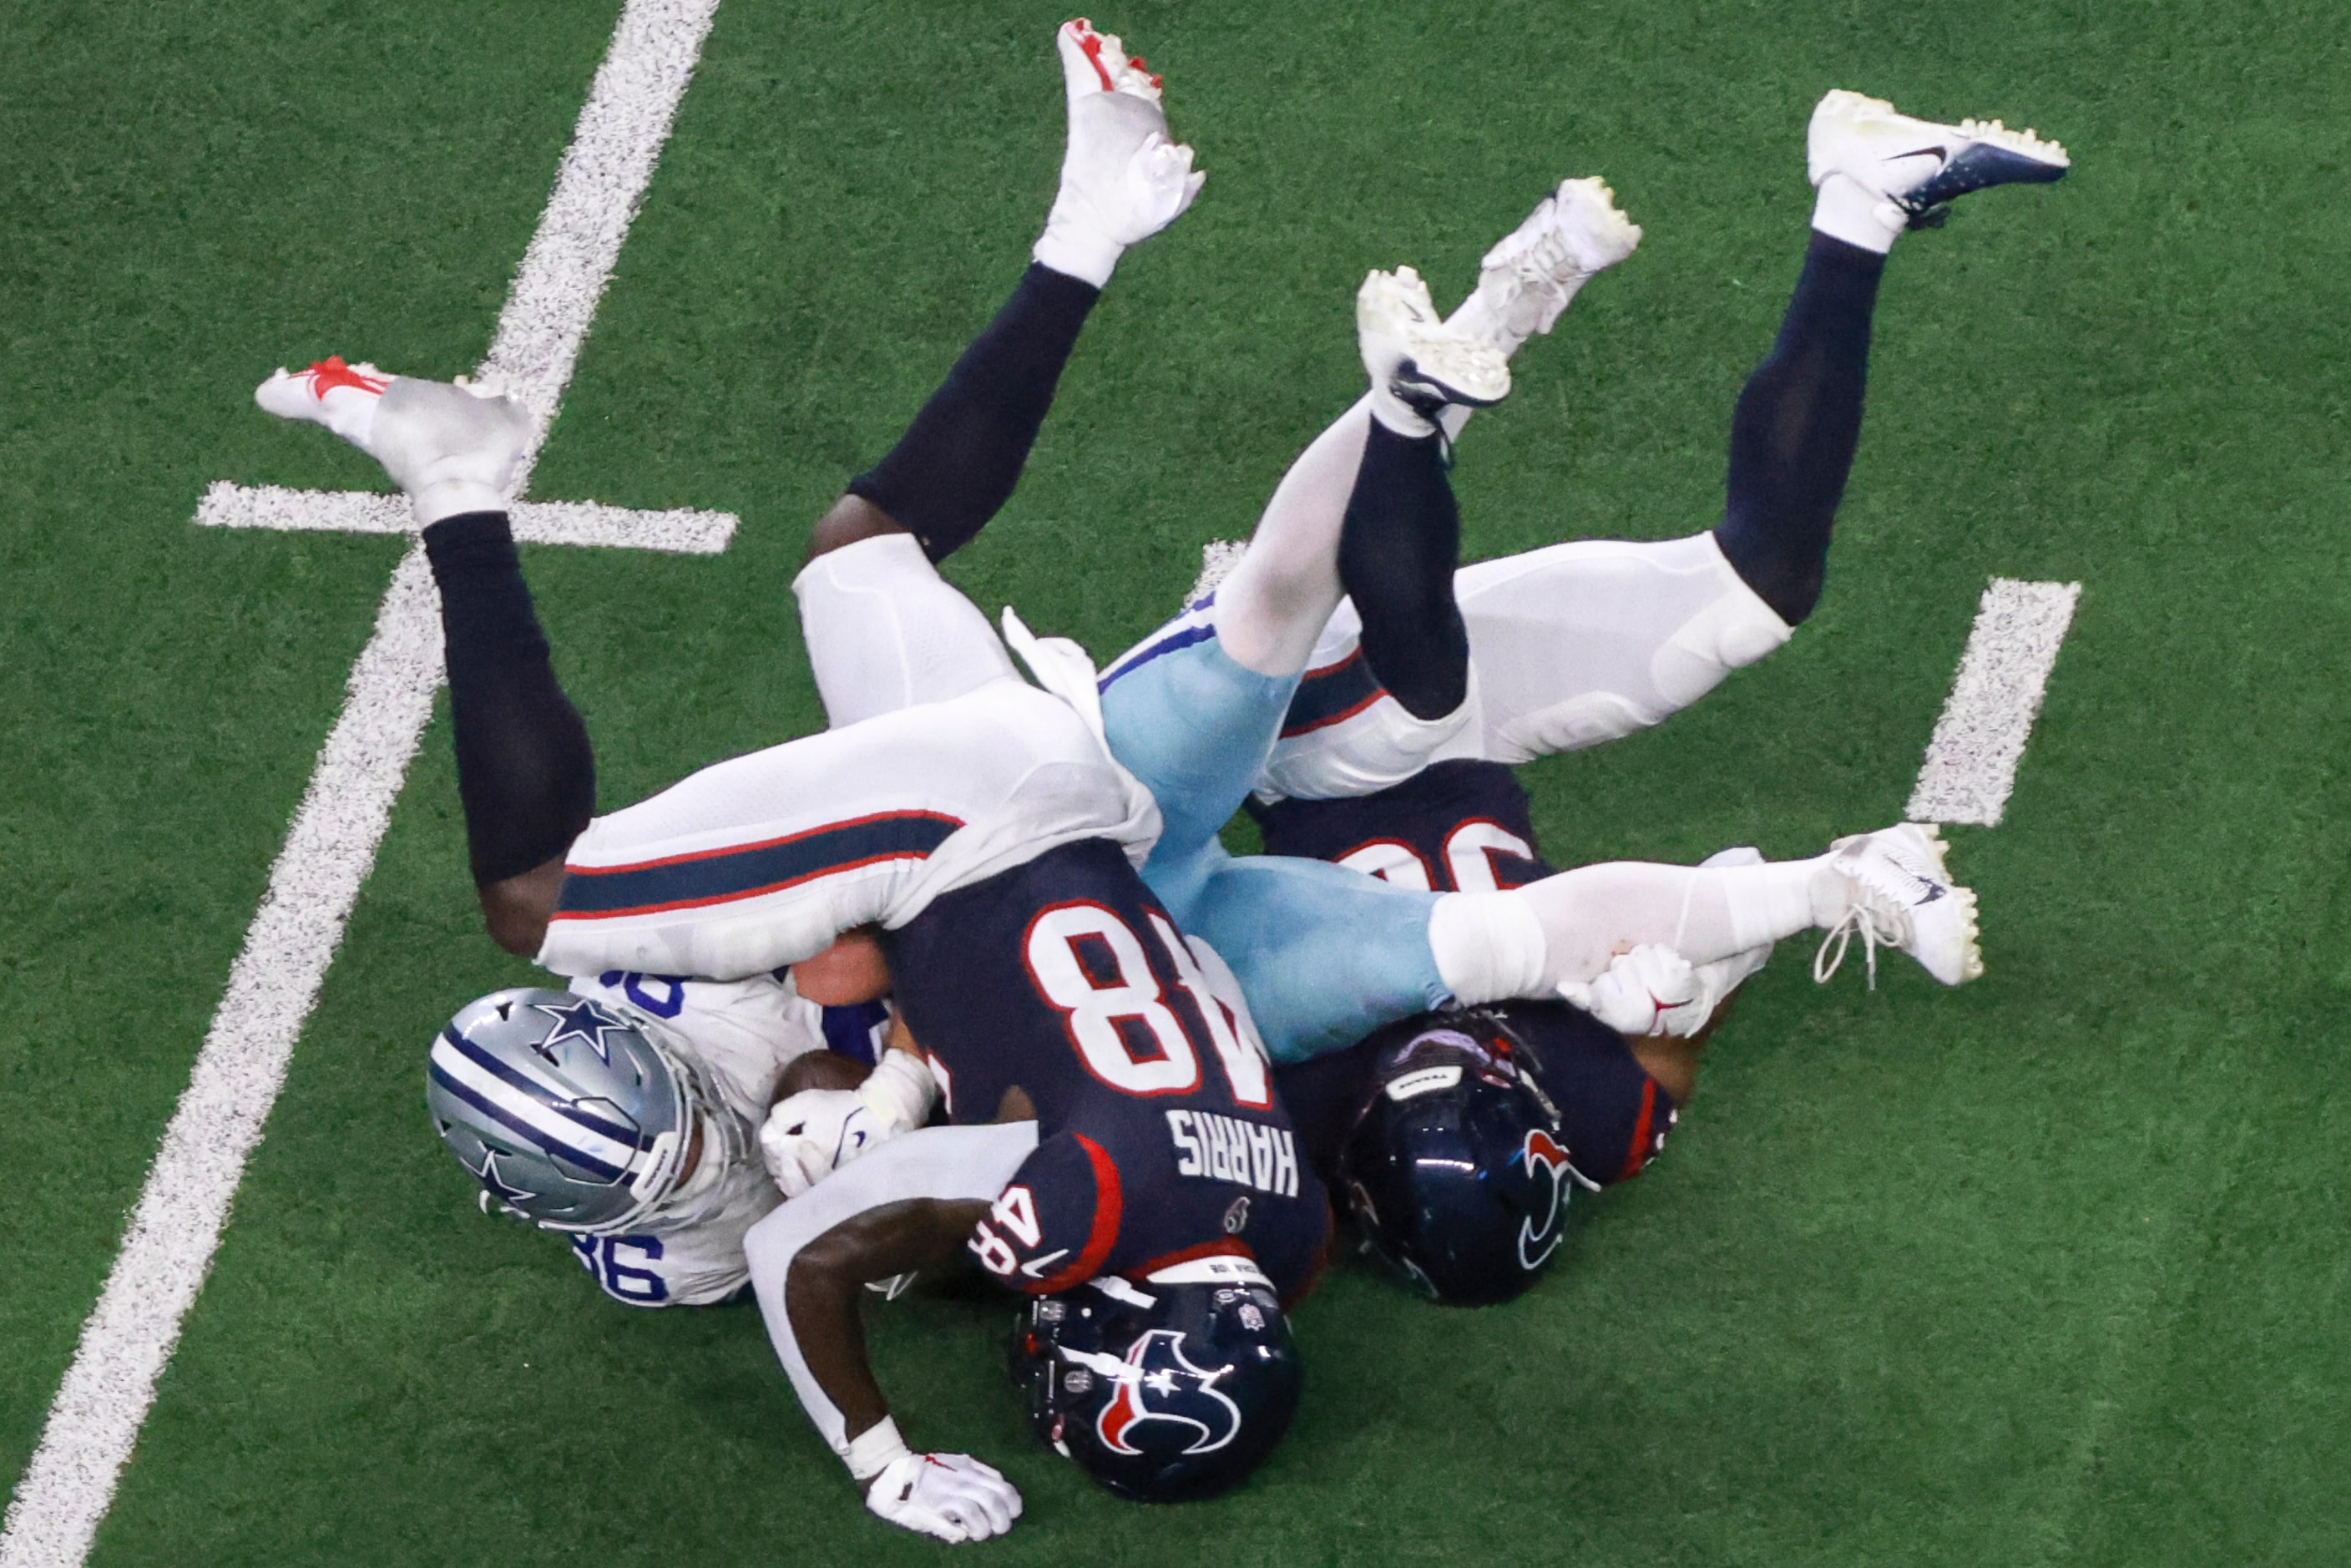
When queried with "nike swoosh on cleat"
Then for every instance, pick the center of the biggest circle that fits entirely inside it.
(1940, 156)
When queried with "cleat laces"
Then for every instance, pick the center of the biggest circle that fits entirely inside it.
(1831, 956)
(1874, 915)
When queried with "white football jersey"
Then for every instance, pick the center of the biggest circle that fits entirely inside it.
(741, 1035)
(761, 861)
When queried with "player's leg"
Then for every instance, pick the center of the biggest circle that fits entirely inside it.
(1325, 954)
(883, 629)
(1193, 710)
(526, 773)
(1584, 642)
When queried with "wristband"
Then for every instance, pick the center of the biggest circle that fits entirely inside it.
(875, 1449)
(900, 1091)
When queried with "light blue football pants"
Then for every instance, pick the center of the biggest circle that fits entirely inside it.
(1325, 954)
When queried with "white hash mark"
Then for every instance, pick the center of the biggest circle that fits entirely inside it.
(1970, 765)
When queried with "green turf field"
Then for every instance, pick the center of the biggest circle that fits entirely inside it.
(2049, 1270)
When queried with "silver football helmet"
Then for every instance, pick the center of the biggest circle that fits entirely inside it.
(570, 1113)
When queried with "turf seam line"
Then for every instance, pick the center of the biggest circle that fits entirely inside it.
(168, 1248)
(1971, 759)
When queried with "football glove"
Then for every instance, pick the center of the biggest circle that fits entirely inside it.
(951, 1496)
(814, 1132)
(1655, 991)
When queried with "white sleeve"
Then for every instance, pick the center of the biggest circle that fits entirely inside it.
(945, 1163)
(760, 861)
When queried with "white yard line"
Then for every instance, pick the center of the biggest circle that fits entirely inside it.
(173, 1232)
(1971, 764)
(65, 1491)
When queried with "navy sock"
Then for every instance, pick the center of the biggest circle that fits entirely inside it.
(1794, 435)
(960, 460)
(526, 773)
(1397, 555)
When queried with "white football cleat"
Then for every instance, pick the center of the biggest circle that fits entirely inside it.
(1419, 364)
(1901, 895)
(1916, 168)
(1573, 235)
(1123, 179)
(453, 447)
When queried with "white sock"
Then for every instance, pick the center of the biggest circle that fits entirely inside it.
(1273, 606)
(1846, 211)
(1590, 914)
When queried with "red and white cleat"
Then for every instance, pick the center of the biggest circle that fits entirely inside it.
(453, 447)
(1123, 179)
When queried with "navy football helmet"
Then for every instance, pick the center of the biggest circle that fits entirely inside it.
(1169, 1390)
(1456, 1169)
(572, 1115)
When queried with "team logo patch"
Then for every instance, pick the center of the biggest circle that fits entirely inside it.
(1546, 1163)
(1159, 1384)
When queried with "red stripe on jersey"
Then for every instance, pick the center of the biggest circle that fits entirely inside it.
(1108, 1203)
(1639, 1155)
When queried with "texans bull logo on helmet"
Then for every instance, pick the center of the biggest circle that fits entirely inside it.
(1158, 1383)
(1544, 1157)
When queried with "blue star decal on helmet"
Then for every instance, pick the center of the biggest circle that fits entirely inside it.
(582, 1021)
(494, 1187)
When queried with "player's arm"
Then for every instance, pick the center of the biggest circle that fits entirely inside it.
(837, 1110)
(827, 1278)
(1665, 1008)
(911, 1206)
(1673, 1059)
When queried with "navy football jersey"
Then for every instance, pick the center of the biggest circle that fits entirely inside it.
(1159, 1138)
(1464, 827)
(1453, 827)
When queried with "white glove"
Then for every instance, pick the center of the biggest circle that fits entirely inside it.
(1123, 179)
(816, 1131)
(951, 1496)
(1656, 990)
(1643, 992)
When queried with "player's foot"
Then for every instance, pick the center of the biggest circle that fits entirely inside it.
(1419, 364)
(452, 447)
(1573, 235)
(1123, 178)
(1900, 893)
(1910, 171)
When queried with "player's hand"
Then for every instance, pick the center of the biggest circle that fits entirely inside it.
(814, 1132)
(1646, 991)
(951, 1496)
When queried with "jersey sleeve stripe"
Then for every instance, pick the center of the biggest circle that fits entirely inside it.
(1108, 1204)
(1331, 694)
(748, 870)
